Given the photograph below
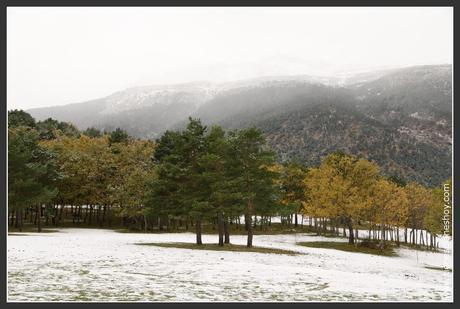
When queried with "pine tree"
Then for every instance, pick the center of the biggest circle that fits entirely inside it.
(31, 171)
(255, 179)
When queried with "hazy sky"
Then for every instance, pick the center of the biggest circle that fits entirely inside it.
(63, 55)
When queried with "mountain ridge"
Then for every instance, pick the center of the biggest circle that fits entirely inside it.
(409, 108)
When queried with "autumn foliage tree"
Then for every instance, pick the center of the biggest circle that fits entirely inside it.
(341, 188)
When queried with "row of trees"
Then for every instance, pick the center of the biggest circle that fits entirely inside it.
(94, 176)
(201, 175)
(351, 191)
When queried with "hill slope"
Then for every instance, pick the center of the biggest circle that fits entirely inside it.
(400, 118)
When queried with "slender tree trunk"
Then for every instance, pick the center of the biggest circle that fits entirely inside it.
(20, 221)
(351, 238)
(226, 232)
(382, 239)
(220, 226)
(60, 213)
(85, 219)
(248, 219)
(79, 214)
(98, 214)
(90, 217)
(39, 227)
(16, 219)
(198, 231)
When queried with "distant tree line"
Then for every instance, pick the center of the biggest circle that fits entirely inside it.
(204, 176)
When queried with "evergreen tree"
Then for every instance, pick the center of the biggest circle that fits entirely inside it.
(92, 132)
(18, 118)
(31, 171)
(292, 188)
(118, 136)
(255, 179)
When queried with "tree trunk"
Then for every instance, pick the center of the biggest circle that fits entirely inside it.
(220, 227)
(109, 214)
(226, 232)
(351, 236)
(39, 227)
(250, 230)
(20, 221)
(60, 214)
(79, 214)
(295, 222)
(103, 215)
(98, 214)
(86, 214)
(90, 216)
(248, 219)
(16, 219)
(382, 239)
(198, 232)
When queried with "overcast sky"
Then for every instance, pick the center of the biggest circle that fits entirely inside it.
(58, 56)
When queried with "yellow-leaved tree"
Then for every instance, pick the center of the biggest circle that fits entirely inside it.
(390, 207)
(341, 187)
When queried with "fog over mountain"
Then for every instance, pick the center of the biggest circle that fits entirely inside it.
(75, 54)
(399, 117)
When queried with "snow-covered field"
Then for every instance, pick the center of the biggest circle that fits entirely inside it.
(103, 265)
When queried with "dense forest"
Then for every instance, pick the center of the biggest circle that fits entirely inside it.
(201, 176)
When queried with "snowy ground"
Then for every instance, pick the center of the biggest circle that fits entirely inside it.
(103, 265)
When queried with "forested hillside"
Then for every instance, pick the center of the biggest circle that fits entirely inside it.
(401, 118)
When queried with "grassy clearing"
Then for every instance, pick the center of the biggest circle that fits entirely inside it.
(234, 229)
(420, 248)
(439, 268)
(28, 229)
(343, 246)
(216, 247)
